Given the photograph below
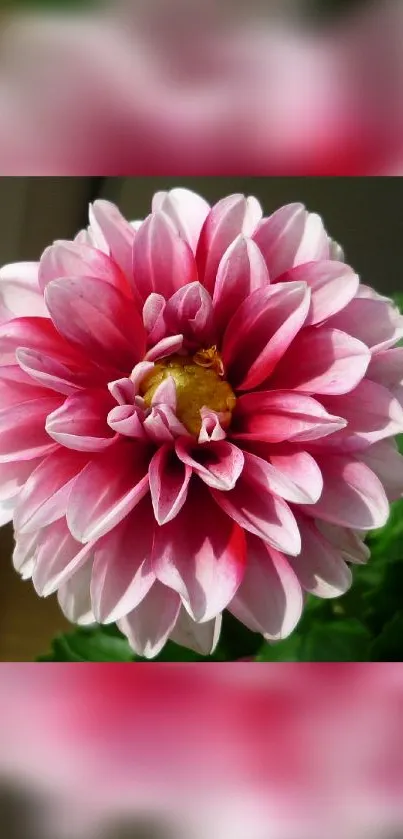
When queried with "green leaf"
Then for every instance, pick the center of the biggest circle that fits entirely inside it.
(343, 640)
(90, 644)
(389, 644)
(287, 650)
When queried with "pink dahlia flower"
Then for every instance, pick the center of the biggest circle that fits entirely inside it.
(197, 413)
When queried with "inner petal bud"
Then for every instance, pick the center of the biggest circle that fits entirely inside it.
(199, 383)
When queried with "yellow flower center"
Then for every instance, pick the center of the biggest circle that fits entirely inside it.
(199, 383)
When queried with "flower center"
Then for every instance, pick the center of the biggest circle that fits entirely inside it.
(199, 383)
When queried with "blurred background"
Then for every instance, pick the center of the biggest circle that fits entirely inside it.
(284, 87)
(284, 751)
(364, 214)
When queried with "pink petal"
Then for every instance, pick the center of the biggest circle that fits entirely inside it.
(118, 234)
(122, 574)
(386, 368)
(25, 552)
(13, 476)
(290, 237)
(261, 331)
(153, 318)
(219, 464)
(125, 390)
(7, 511)
(255, 509)
(36, 334)
(200, 637)
(384, 459)
(349, 543)
(277, 416)
(201, 555)
(19, 290)
(162, 261)
(370, 410)
(167, 346)
(165, 393)
(169, 481)
(162, 425)
(241, 271)
(211, 426)
(352, 495)
(295, 477)
(269, 599)
(186, 210)
(59, 556)
(319, 567)
(53, 374)
(96, 317)
(45, 495)
(148, 627)
(17, 387)
(127, 420)
(226, 220)
(81, 422)
(333, 285)
(74, 597)
(70, 259)
(376, 323)
(190, 312)
(22, 429)
(107, 490)
(324, 361)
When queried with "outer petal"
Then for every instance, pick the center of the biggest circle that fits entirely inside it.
(226, 220)
(19, 290)
(241, 271)
(289, 237)
(81, 422)
(219, 464)
(303, 482)
(162, 261)
(277, 416)
(186, 210)
(7, 510)
(269, 599)
(261, 331)
(201, 555)
(44, 497)
(254, 508)
(74, 597)
(22, 429)
(55, 375)
(200, 637)
(13, 477)
(370, 410)
(25, 552)
(333, 285)
(122, 574)
(148, 627)
(384, 459)
(38, 334)
(349, 543)
(169, 481)
(352, 496)
(117, 234)
(320, 567)
(322, 361)
(59, 556)
(70, 259)
(107, 490)
(96, 317)
(375, 322)
(386, 368)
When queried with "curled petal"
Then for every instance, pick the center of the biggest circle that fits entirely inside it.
(127, 420)
(190, 312)
(218, 464)
(211, 428)
(186, 210)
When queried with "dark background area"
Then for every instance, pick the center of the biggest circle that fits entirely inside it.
(365, 215)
